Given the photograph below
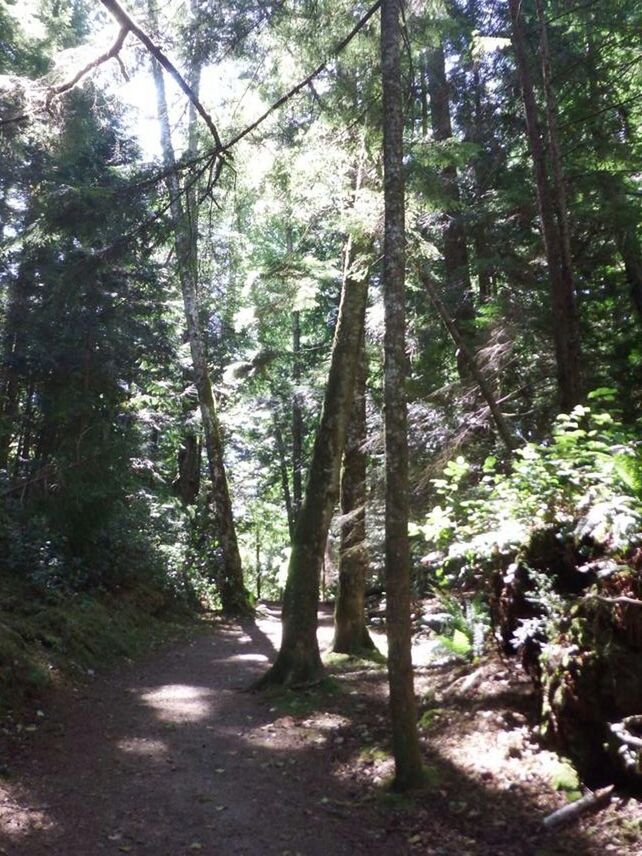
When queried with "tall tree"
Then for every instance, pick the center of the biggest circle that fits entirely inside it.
(455, 250)
(403, 708)
(351, 634)
(553, 216)
(298, 661)
(234, 596)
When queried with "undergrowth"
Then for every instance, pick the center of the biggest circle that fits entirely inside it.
(47, 637)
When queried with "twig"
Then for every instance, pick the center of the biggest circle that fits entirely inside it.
(113, 52)
(615, 600)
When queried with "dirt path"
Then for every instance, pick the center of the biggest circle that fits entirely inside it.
(167, 757)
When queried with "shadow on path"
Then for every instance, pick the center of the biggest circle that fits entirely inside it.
(168, 758)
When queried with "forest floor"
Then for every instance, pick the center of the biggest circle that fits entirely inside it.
(168, 756)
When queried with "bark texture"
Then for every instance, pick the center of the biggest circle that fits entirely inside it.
(403, 707)
(234, 597)
(552, 211)
(351, 635)
(298, 662)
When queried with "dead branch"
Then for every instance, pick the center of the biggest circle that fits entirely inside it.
(631, 601)
(340, 46)
(112, 53)
(572, 811)
(127, 23)
(502, 426)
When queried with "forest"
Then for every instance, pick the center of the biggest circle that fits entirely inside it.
(321, 368)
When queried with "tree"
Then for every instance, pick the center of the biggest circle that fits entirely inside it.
(455, 250)
(298, 661)
(403, 710)
(234, 597)
(351, 634)
(553, 215)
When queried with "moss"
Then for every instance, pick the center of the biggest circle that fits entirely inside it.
(303, 701)
(46, 635)
(373, 754)
(430, 717)
(564, 777)
(366, 659)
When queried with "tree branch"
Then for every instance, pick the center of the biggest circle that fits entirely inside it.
(306, 81)
(113, 51)
(127, 23)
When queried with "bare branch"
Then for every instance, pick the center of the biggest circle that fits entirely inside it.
(307, 80)
(113, 52)
(126, 21)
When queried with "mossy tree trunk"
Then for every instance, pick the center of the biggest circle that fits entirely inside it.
(298, 661)
(403, 708)
(351, 635)
(234, 597)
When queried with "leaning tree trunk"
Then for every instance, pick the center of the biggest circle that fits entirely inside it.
(298, 662)
(351, 635)
(403, 707)
(234, 597)
(565, 321)
(471, 362)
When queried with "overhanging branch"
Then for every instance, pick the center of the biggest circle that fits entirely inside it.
(113, 52)
(129, 25)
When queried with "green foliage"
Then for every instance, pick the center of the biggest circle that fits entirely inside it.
(468, 626)
(564, 777)
(48, 633)
(583, 483)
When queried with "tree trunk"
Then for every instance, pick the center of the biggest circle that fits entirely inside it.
(297, 418)
(351, 635)
(477, 134)
(565, 320)
(234, 597)
(455, 249)
(298, 661)
(285, 480)
(188, 481)
(403, 707)
(613, 191)
(12, 356)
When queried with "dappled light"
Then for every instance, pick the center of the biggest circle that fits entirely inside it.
(249, 658)
(179, 702)
(320, 428)
(144, 746)
(19, 818)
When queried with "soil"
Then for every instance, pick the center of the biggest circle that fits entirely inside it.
(171, 756)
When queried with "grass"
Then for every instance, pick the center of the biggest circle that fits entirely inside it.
(297, 702)
(366, 659)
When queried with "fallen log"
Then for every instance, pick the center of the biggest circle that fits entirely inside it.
(572, 811)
